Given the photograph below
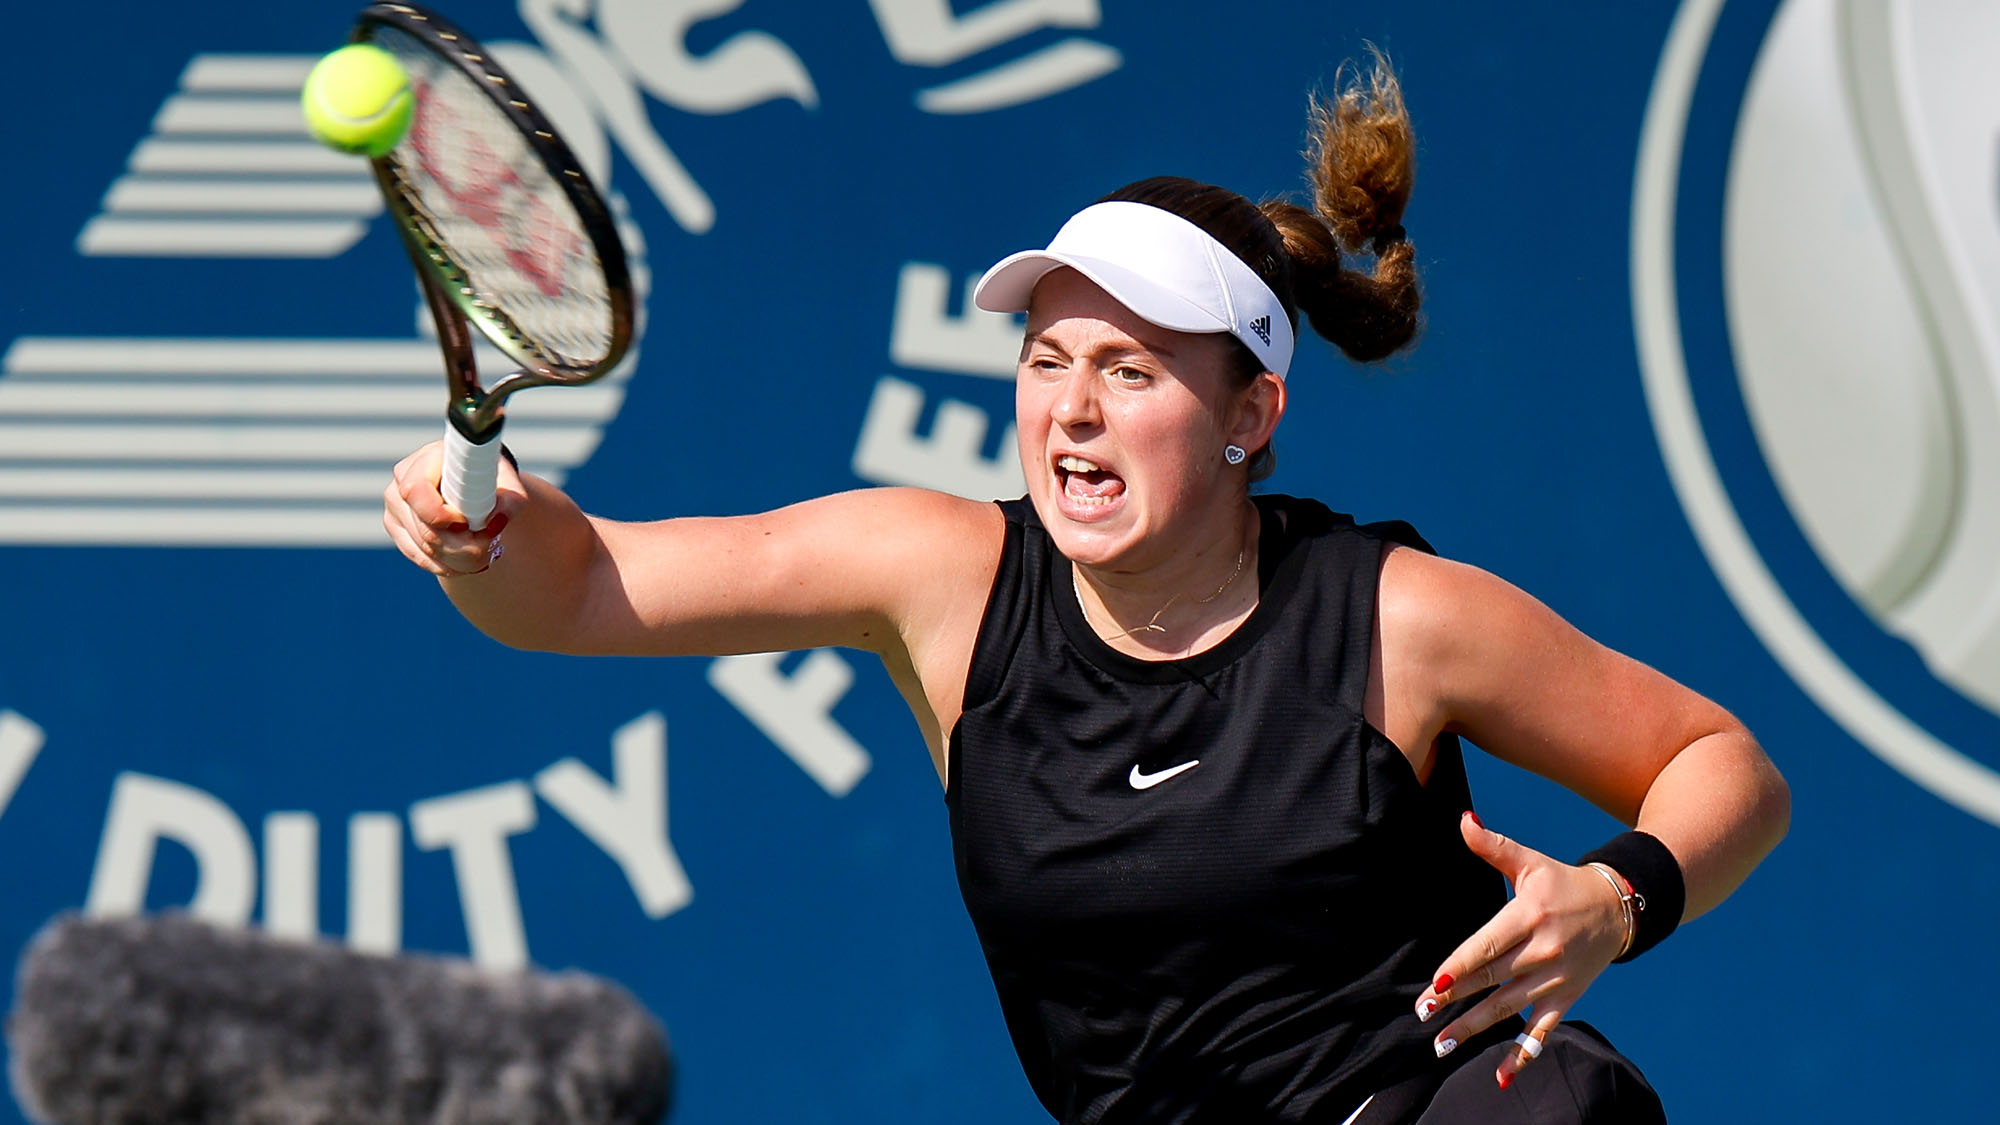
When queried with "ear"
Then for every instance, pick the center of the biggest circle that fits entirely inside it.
(1258, 409)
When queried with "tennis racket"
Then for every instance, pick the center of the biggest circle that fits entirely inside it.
(507, 234)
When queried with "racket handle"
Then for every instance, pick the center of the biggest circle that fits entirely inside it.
(471, 475)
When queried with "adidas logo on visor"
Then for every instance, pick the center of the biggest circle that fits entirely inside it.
(1262, 327)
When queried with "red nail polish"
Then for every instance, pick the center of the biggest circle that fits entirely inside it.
(1441, 985)
(1474, 818)
(1506, 1080)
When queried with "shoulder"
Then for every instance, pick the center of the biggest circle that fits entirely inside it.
(1430, 601)
(956, 526)
(921, 533)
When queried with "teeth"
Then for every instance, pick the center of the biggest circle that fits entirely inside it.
(1076, 464)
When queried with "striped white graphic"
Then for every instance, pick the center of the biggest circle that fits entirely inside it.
(230, 172)
(240, 442)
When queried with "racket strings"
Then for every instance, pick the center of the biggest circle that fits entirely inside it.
(510, 240)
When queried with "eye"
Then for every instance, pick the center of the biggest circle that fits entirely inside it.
(1131, 376)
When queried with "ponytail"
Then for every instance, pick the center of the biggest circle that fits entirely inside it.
(1361, 161)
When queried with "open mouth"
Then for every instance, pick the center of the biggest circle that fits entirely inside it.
(1087, 484)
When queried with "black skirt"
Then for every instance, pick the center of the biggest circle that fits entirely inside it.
(1580, 1079)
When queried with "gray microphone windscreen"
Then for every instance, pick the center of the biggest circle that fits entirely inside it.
(171, 1019)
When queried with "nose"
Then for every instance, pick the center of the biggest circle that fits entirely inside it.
(1075, 405)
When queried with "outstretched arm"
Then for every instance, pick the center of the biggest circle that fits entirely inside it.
(869, 569)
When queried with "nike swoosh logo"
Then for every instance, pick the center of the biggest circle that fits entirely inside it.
(1148, 780)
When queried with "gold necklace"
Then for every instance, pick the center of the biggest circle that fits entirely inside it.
(1154, 625)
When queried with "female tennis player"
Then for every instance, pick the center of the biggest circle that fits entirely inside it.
(1201, 748)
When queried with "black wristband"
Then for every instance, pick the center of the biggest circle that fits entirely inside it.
(1655, 877)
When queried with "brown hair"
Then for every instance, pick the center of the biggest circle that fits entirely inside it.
(1361, 163)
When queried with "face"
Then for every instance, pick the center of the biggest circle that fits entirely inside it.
(1122, 425)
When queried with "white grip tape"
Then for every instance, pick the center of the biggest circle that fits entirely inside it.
(471, 476)
(1530, 1046)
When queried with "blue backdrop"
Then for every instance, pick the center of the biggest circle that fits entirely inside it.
(219, 684)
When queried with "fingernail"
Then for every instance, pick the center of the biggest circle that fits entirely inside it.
(1427, 1009)
(1446, 1047)
(1506, 1079)
(1474, 818)
(1442, 984)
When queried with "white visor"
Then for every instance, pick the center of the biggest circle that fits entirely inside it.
(1162, 267)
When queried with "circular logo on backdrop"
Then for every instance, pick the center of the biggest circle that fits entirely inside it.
(1816, 281)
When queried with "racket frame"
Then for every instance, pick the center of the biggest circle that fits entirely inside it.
(476, 413)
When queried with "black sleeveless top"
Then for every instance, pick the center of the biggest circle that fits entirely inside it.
(1241, 939)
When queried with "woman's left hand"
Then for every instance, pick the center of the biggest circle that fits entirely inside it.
(1564, 925)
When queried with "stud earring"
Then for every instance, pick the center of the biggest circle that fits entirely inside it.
(1233, 454)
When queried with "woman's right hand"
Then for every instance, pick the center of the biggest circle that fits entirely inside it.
(429, 531)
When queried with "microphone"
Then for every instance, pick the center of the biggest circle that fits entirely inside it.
(171, 1019)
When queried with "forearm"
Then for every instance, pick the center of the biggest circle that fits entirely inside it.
(1720, 806)
(535, 596)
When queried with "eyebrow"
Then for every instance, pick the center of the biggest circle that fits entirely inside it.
(1139, 345)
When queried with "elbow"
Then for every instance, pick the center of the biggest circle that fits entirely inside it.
(524, 641)
(511, 623)
(516, 633)
(1776, 805)
(1764, 800)
(1749, 799)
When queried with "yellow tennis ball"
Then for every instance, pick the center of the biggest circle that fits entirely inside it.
(358, 100)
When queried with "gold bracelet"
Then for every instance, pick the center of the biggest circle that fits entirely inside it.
(1626, 898)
